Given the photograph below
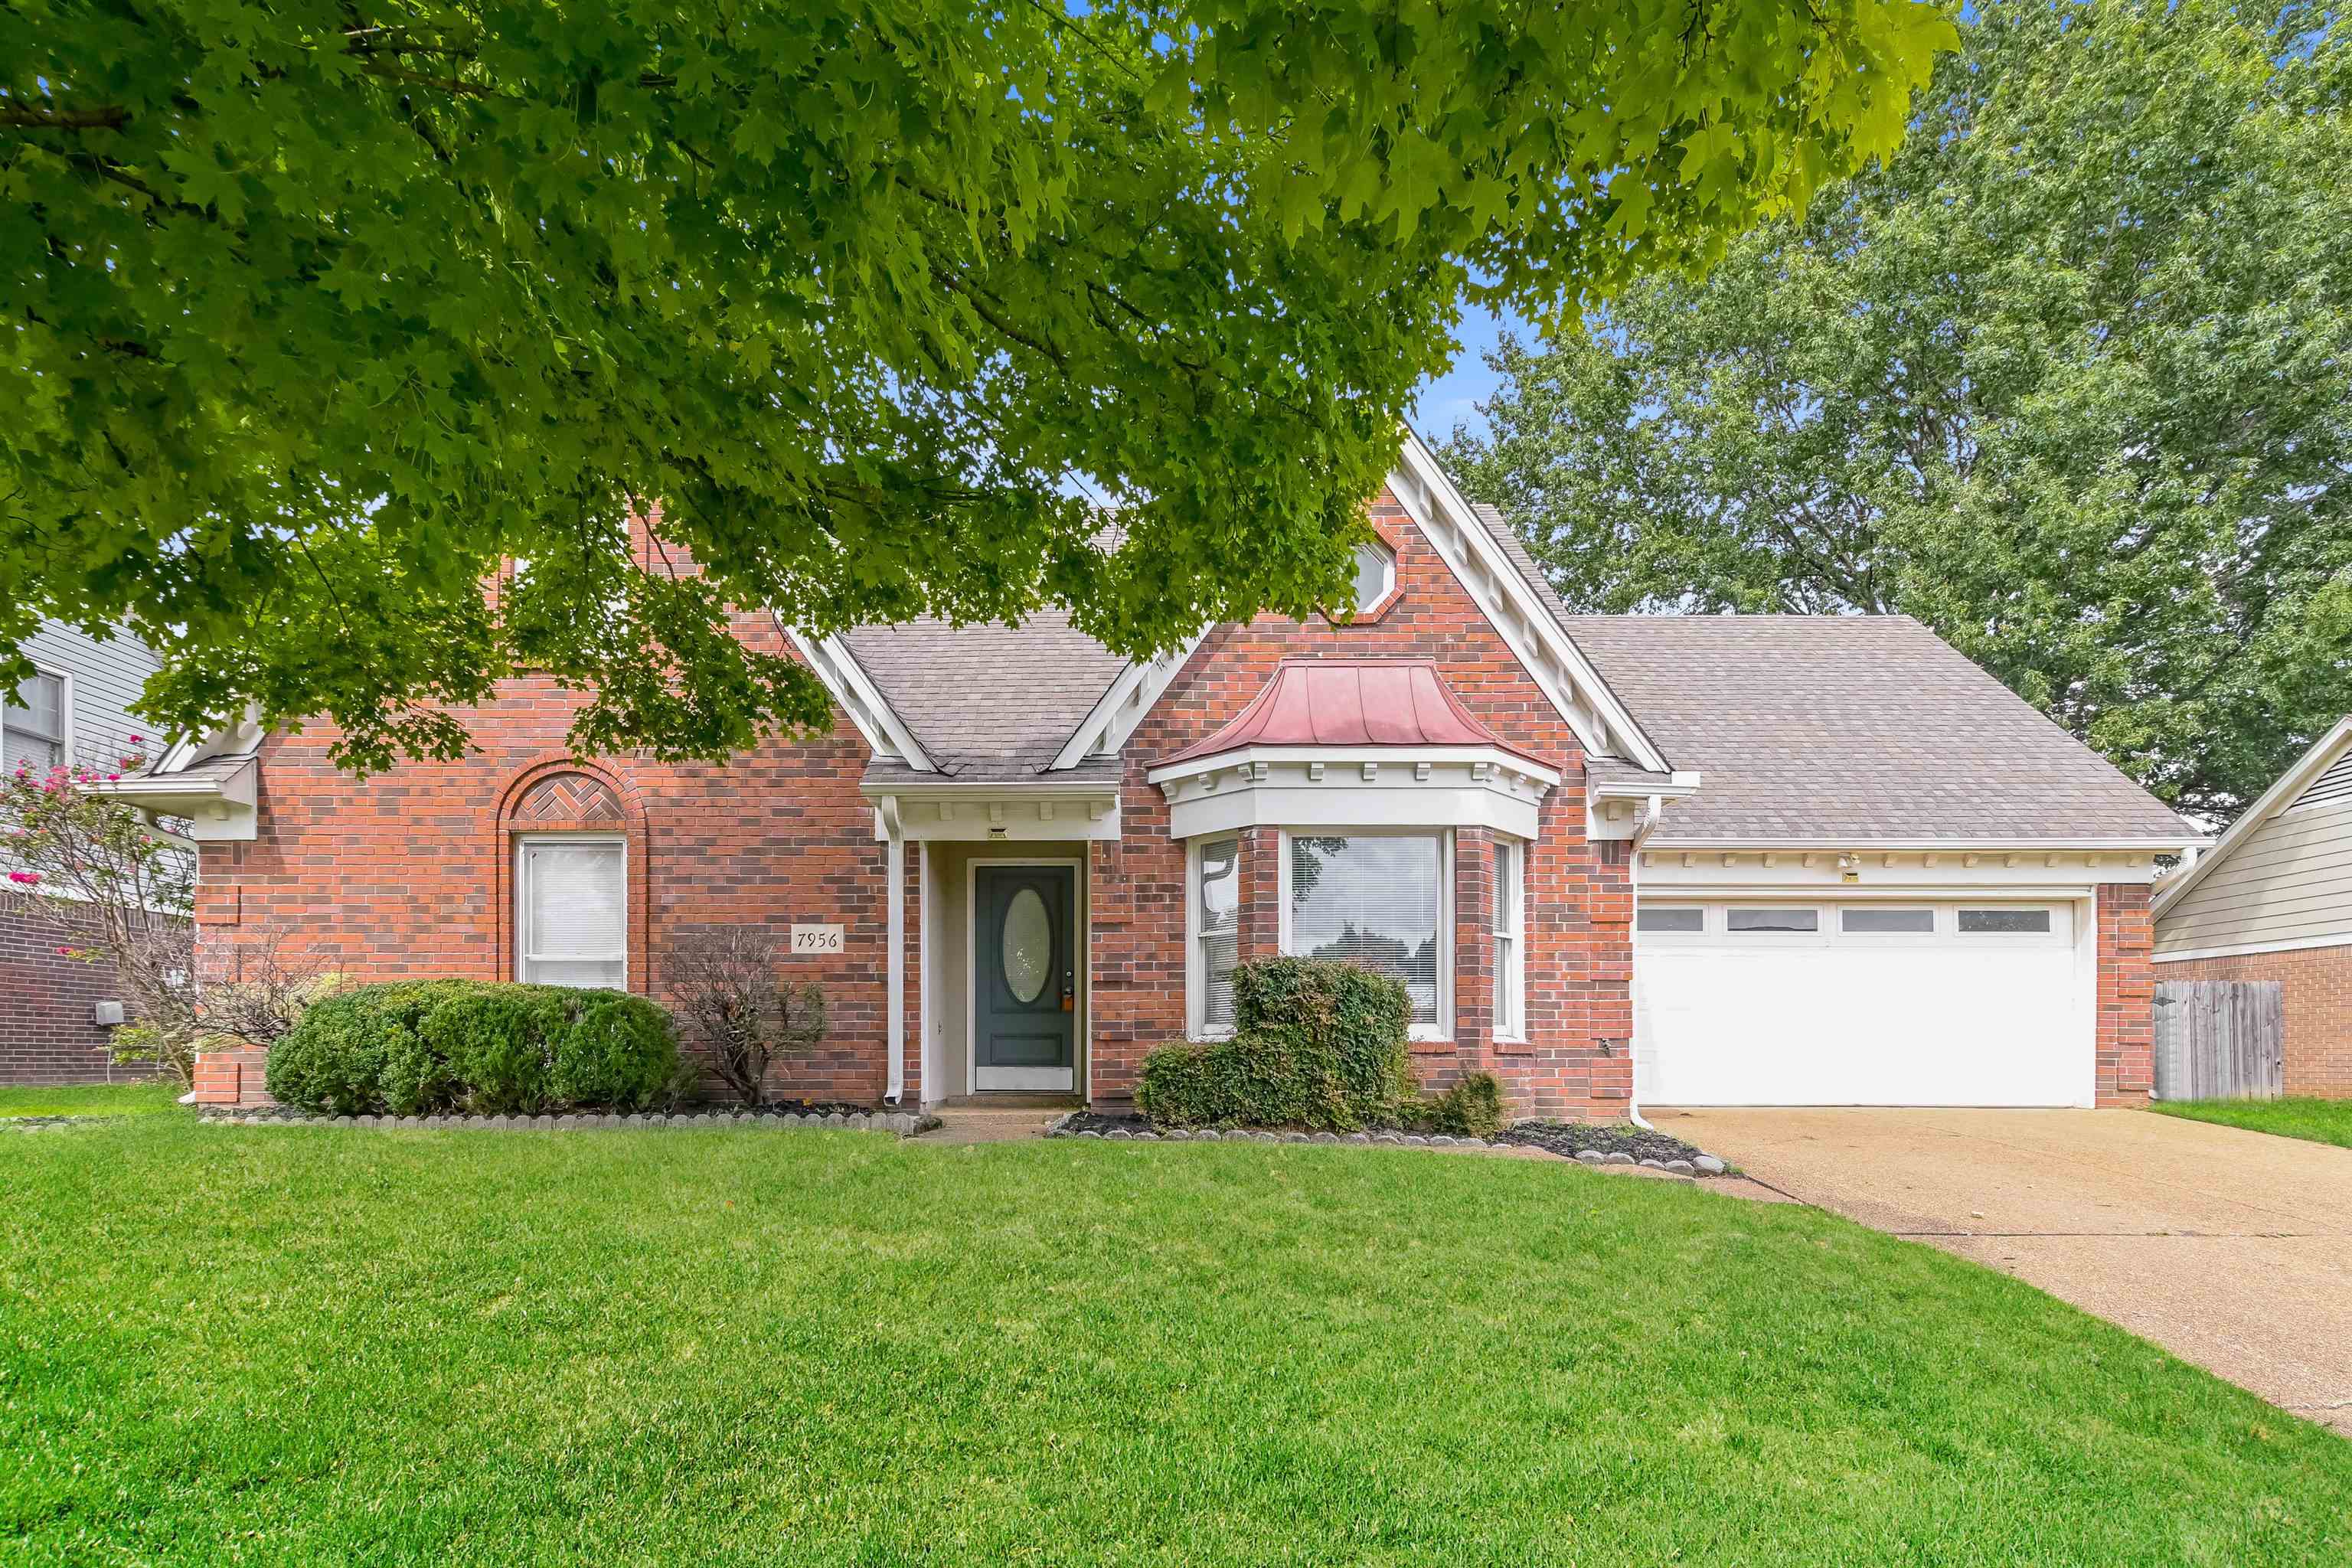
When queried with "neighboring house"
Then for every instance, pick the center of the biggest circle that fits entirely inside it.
(75, 710)
(2272, 900)
(1865, 872)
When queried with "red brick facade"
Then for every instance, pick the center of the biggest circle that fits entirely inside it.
(2317, 985)
(47, 1034)
(2127, 994)
(1580, 905)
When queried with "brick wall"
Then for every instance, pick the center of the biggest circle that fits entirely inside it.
(2318, 991)
(2127, 994)
(1578, 901)
(410, 873)
(45, 1032)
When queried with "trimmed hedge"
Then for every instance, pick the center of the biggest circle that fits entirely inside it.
(1472, 1107)
(1316, 1045)
(415, 1047)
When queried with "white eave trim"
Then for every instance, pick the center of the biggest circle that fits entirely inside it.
(886, 734)
(1680, 784)
(2290, 786)
(219, 804)
(1115, 715)
(1932, 845)
(1355, 787)
(1535, 636)
(1014, 811)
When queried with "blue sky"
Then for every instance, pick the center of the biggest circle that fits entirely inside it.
(1453, 398)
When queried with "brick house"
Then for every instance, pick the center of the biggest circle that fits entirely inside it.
(1719, 860)
(2272, 900)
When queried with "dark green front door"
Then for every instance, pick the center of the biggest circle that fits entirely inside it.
(1025, 977)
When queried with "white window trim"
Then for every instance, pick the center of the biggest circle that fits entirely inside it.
(1196, 964)
(1387, 558)
(523, 956)
(1513, 899)
(64, 678)
(1443, 1028)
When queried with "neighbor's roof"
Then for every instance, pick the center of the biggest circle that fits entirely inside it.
(989, 702)
(1819, 729)
(1350, 702)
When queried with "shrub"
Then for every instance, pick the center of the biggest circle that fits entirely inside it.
(415, 1047)
(1318, 1045)
(724, 986)
(1471, 1108)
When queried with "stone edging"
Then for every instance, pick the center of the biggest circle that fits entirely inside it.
(1703, 1165)
(43, 1124)
(903, 1123)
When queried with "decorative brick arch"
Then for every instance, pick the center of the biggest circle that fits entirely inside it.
(561, 794)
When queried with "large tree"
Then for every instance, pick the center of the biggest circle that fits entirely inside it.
(2070, 378)
(317, 311)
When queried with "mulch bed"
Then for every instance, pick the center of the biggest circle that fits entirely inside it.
(1572, 1138)
(1627, 1143)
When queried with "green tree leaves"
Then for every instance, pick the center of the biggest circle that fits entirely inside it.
(320, 311)
(2070, 378)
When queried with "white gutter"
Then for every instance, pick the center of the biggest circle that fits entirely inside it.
(1633, 890)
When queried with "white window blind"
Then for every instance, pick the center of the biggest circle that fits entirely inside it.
(33, 725)
(1219, 917)
(1510, 979)
(1372, 899)
(571, 913)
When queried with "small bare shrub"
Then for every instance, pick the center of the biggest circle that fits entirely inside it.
(724, 986)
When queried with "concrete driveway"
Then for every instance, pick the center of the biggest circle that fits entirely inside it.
(2231, 1249)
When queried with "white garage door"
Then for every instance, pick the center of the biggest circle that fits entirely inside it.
(1948, 1003)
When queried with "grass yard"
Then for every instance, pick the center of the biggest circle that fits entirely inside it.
(2319, 1121)
(288, 1345)
(93, 1099)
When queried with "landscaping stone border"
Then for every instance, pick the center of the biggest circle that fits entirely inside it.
(1060, 1127)
(904, 1123)
(43, 1124)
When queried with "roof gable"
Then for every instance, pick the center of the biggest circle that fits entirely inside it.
(2321, 776)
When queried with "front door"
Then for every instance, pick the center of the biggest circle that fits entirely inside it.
(1023, 974)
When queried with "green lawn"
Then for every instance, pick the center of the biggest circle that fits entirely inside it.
(310, 1345)
(2320, 1121)
(93, 1100)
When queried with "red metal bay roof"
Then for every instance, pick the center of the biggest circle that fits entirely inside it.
(1352, 703)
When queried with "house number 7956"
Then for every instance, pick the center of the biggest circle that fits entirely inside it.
(816, 939)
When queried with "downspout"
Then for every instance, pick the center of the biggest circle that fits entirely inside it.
(1633, 890)
(895, 906)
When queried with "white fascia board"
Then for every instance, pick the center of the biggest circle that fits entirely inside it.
(2291, 785)
(1020, 811)
(1319, 788)
(1687, 874)
(1935, 845)
(1123, 704)
(1345, 757)
(886, 734)
(236, 736)
(1527, 625)
(1680, 784)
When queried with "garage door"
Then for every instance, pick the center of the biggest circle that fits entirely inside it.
(1959, 1003)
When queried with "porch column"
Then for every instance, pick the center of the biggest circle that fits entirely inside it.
(893, 985)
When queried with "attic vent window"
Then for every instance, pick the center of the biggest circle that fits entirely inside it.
(1375, 575)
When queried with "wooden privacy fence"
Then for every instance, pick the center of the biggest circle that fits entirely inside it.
(2221, 1040)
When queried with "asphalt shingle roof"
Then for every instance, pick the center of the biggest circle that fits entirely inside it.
(988, 702)
(1820, 728)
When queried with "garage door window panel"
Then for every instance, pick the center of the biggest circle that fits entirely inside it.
(1772, 922)
(1877, 919)
(1671, 921)
(2004, 923)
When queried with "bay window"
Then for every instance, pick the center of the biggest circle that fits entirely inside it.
(571, 902)
(1377, 901)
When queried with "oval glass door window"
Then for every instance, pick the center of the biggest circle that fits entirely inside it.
(1028, 945)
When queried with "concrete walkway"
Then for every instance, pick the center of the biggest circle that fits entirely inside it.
(2232, 1250)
